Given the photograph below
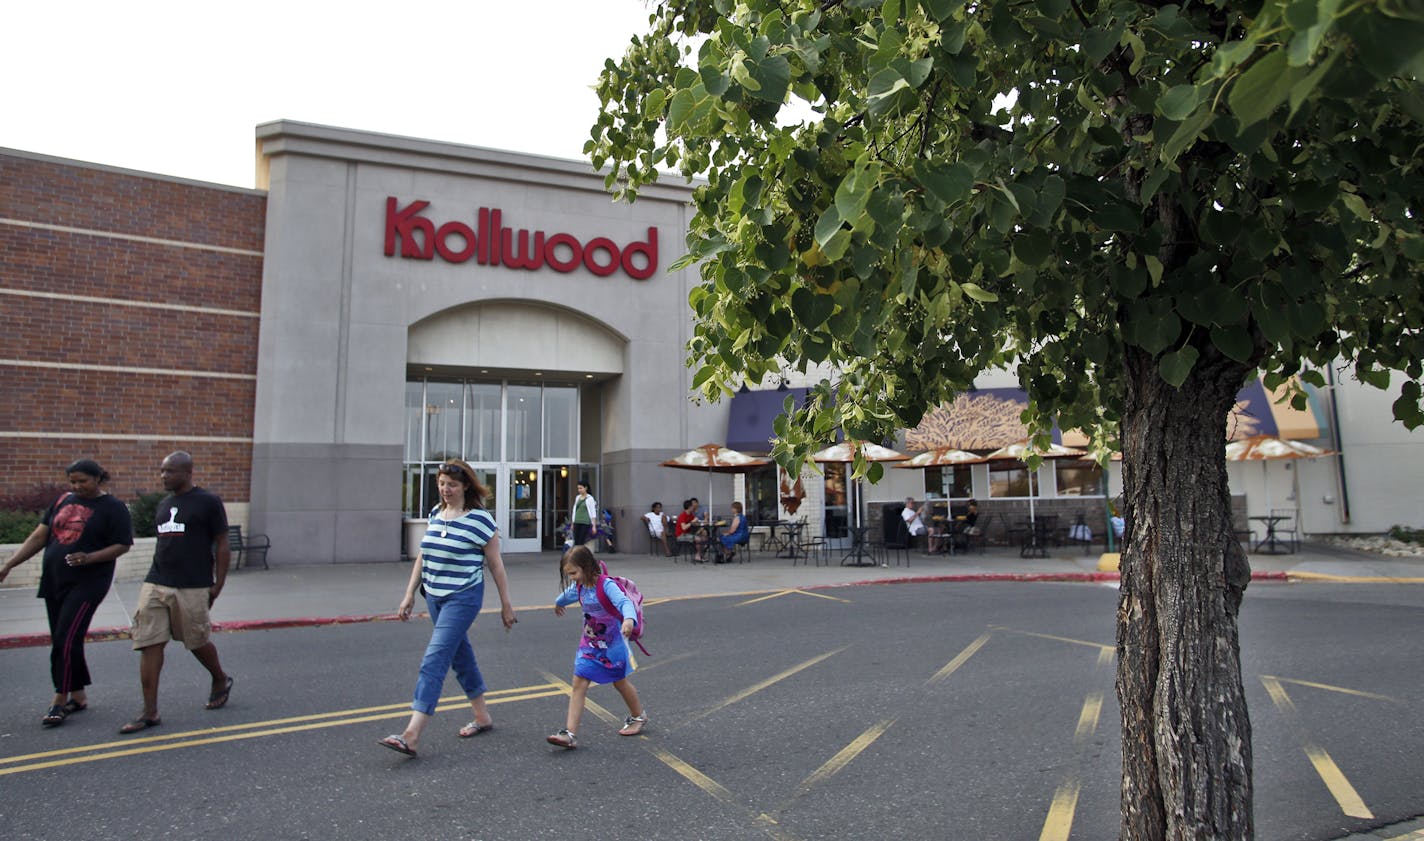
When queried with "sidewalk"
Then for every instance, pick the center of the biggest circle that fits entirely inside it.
(292, 595)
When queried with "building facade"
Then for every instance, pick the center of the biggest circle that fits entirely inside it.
(381, 304)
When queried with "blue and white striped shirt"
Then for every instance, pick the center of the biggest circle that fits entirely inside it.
(453, 552)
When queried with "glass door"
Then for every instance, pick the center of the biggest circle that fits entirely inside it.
(519, 516)
(556, 494)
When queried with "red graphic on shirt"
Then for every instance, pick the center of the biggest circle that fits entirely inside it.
(69, 523)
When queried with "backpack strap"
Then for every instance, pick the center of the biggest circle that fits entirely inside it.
(603, 597)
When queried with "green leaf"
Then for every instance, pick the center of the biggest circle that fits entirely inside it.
(835, 248)
(1154, 269)
(1233, 341)
(1097, 43)
(811, 309)
(1033, 247)
(1179, 102)
(978, 293)
(1262, 88)
(1175, 366)
(1186, 133)
(948, 184)
(772, 75)
(939, 10)
(827, 226)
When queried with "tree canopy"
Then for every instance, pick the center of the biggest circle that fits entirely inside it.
(1136, 205)
(1046, 184)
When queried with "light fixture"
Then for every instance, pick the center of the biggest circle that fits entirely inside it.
(563, 473)
(538, 373)
(588, 376)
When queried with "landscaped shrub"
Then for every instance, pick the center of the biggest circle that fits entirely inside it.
(143, 510)
(35, 499)
(1407, 534)
(15, 526)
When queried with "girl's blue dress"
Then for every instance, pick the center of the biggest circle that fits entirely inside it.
(603, 655)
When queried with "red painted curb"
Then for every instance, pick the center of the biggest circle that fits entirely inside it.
(108, 634)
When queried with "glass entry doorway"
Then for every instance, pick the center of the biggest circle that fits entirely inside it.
(520, 517)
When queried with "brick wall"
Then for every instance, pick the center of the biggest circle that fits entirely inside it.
(62, 295)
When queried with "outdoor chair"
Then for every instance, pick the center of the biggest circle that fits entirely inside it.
(1287, 530)
(809, 549)
(972, 540)
(896, 538)
(241, 548)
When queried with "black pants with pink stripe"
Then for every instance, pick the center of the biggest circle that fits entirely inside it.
(70, 612)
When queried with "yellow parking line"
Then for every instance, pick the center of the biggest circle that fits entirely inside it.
(757, 687)
(1351, 579)
(1356, 692)
(491, 696)
(194, 738)
(1345, 795)
(1060, 814)
(1096, 645)
(1088, 718)
(792, 591)
(959, 660)
(1340, 788)
(844, 756)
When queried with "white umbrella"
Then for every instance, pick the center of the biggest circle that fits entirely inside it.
(1264, 448)
(715, 458)
(845, 453)
(1021, 450)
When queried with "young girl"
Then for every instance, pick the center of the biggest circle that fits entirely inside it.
(603, 655)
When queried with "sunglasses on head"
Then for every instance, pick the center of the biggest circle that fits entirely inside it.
(451, 470)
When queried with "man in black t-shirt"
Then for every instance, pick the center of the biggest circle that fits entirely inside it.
(190, 561)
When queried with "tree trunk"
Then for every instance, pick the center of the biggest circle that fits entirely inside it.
(1186, 736)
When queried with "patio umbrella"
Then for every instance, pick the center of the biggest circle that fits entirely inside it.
(1021, 450)
(940, 457)
(845, 453)
(1264, 448)
(715, 458)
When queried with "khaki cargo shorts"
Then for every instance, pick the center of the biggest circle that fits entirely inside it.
(177, 613)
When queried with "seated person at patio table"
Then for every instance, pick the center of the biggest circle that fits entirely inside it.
(964, 527)
(689, 529)
(911, 515)
(738, 531)
(658, 523)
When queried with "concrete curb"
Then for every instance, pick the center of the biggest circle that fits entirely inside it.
(116, 633)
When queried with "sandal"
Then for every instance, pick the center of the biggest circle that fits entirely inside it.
(218, 700)
(72, 706)
(397, 744)
(633, 724)
(475, 729)
(138, 724)
(564, 739)
(54, 717)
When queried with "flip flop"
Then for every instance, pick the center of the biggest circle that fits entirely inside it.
(397, 744)
(473, 729)
(140, 724)
(54, 717)
(218, 699)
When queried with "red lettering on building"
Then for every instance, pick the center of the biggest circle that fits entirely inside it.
(489, 243)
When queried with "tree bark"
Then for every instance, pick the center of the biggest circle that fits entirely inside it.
(1186, 736)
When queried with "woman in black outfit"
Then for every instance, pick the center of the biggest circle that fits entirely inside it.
(82, 535)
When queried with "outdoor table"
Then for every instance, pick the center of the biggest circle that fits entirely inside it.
(1270, 545)
(791, 535)
(1035, 540)
(771, 541)
(857, 556)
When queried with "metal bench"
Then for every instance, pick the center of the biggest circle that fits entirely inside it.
(254, 545)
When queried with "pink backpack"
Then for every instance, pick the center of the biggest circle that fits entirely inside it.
(631, 591)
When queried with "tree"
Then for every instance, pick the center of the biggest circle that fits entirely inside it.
(1136, 204)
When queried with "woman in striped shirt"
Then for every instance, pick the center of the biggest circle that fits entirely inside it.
(461, 542)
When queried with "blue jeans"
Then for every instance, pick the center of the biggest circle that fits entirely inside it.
(450, 648)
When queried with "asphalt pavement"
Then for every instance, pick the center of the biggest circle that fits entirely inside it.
(786, 703)
(287, 595)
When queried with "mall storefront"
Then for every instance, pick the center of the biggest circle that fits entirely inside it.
(424, 301)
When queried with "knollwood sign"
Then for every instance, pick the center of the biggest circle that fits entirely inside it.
(489, 243)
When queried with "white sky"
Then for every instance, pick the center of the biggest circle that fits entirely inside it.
(178, 87)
